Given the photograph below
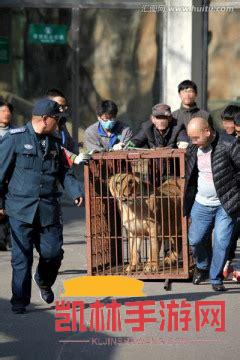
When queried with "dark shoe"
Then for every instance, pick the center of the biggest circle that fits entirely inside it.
(46, 293)
(3, 246)
(199, 275)
(17, 309)
(218, 287)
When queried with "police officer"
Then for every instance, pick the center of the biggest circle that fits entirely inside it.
(32, 165)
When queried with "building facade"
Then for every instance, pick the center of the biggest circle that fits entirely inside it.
(132, 52)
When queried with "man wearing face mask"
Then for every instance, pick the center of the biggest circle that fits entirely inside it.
(158, 131)
(107, 133)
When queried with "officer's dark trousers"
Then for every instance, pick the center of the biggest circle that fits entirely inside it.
(48, 242)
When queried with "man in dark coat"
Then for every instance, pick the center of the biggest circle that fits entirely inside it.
(188, 92)
(230, 117)
(66, 139)
(159, 130)
(211, 197)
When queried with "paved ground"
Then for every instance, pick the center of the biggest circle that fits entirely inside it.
(33, 336)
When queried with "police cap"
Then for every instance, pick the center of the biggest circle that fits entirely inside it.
(47, 107)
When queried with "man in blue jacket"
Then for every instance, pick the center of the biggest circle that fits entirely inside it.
(32, 166)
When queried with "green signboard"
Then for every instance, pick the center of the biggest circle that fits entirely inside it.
(4, 50)
(47, 34)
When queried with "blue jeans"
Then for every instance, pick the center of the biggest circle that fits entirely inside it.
(48, 241)
(203, 220)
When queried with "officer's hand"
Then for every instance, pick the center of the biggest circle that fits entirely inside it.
(78, 201)
(2, 214)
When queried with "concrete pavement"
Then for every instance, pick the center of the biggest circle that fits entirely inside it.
(33, 337)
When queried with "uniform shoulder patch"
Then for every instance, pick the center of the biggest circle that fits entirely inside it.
(17, 130)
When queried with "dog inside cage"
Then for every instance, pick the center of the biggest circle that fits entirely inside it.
(136, 216)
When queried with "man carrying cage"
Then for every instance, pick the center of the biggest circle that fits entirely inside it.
(211, 198)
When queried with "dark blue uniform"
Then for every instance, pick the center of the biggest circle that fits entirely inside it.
(33, 167)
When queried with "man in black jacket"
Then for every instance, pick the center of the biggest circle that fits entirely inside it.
(227, 116)
(211, 197)
(66, 139)
(159, 130)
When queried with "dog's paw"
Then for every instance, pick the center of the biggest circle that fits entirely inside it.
(130, 268)
(150, 268)
(171, 259)
(147, 268)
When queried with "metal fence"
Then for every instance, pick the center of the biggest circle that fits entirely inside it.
(134, 214)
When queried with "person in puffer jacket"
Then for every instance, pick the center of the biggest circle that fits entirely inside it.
(211, 197)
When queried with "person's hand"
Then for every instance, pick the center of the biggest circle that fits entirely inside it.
(118, 146)
(78, 201)
(82, 157)
(129, 145)
(2, 214)
(182, 144)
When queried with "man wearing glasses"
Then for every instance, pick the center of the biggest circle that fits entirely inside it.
(67, 140)
(31, 167)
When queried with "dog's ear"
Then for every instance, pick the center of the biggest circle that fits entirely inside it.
(113, 182)
(118, 184)
(137, 184)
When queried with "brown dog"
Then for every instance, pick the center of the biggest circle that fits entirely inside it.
(142, 216)
(171, 191)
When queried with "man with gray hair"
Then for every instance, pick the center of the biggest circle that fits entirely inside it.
(159, 130)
